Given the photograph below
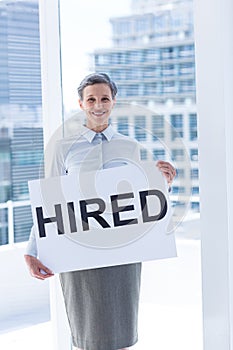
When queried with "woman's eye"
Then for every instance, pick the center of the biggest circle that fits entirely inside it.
(105, 99)
(91, 100)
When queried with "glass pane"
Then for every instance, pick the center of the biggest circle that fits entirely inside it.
(21, 131)
(159, 154)
(122, 125)
(140, 124)
(147, 47)
(3, 227)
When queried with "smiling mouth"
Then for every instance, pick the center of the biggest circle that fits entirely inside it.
(98, 114)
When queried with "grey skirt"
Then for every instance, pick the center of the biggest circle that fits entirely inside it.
(102, 306)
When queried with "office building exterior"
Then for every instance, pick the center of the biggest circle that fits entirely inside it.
(21, 145)
(152, 61)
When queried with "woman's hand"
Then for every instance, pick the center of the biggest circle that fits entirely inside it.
(36, 268)
(167, 170)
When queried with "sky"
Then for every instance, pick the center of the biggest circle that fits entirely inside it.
(84, 27)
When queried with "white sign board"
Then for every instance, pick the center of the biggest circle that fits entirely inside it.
(109, 217)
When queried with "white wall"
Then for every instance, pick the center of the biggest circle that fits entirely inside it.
(19, 292)
(214, 57)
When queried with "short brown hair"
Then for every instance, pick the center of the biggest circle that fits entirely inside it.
(97, 78)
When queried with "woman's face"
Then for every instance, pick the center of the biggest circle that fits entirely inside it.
(97, 103)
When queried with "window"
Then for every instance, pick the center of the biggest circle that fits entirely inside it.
(158, 154)
(142, 25)
(179, 204)
(123, 57)
(195, 190)
(122, 125)
(157, 122)
(149, 72)
(194, 154)
(177, 121)
(178, 189)
(139, 128)
(130, 66)
(178, 154)
(21, 132)
(138, 56)
(3, 226)
(121, 27)
(152, 55)
(169, 86)
(180, 173)
(5, 162)
(177, 126)
(115, 74)
(115, 58)
(177, 19)
(167, 52)
(187, 85)
(132, 90)
(158, 135)
(134, 73)
(150, 88)
(27, 157)
(157, 127)
(194, 173)
(187, 68)
(186, 51)
(158, 71)
(143, 154)
(101, 60)
(160, 22)
(195, 206)
(193, 127)
(168, 70)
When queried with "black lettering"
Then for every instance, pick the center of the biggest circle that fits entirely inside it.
(57, 218)
(94, 214)
(144, 208)
(116, 209)
(73, 226)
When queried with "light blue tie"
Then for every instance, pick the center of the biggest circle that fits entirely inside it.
(99, 137)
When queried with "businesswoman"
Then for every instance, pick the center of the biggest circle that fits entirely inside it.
(101, 303)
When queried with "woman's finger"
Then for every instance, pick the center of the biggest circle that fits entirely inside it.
(168, 171)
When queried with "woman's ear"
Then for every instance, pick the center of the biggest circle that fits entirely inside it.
(80, 102)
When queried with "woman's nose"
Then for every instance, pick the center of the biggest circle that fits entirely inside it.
(98, 105)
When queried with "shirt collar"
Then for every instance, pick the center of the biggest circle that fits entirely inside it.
(90, 134)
